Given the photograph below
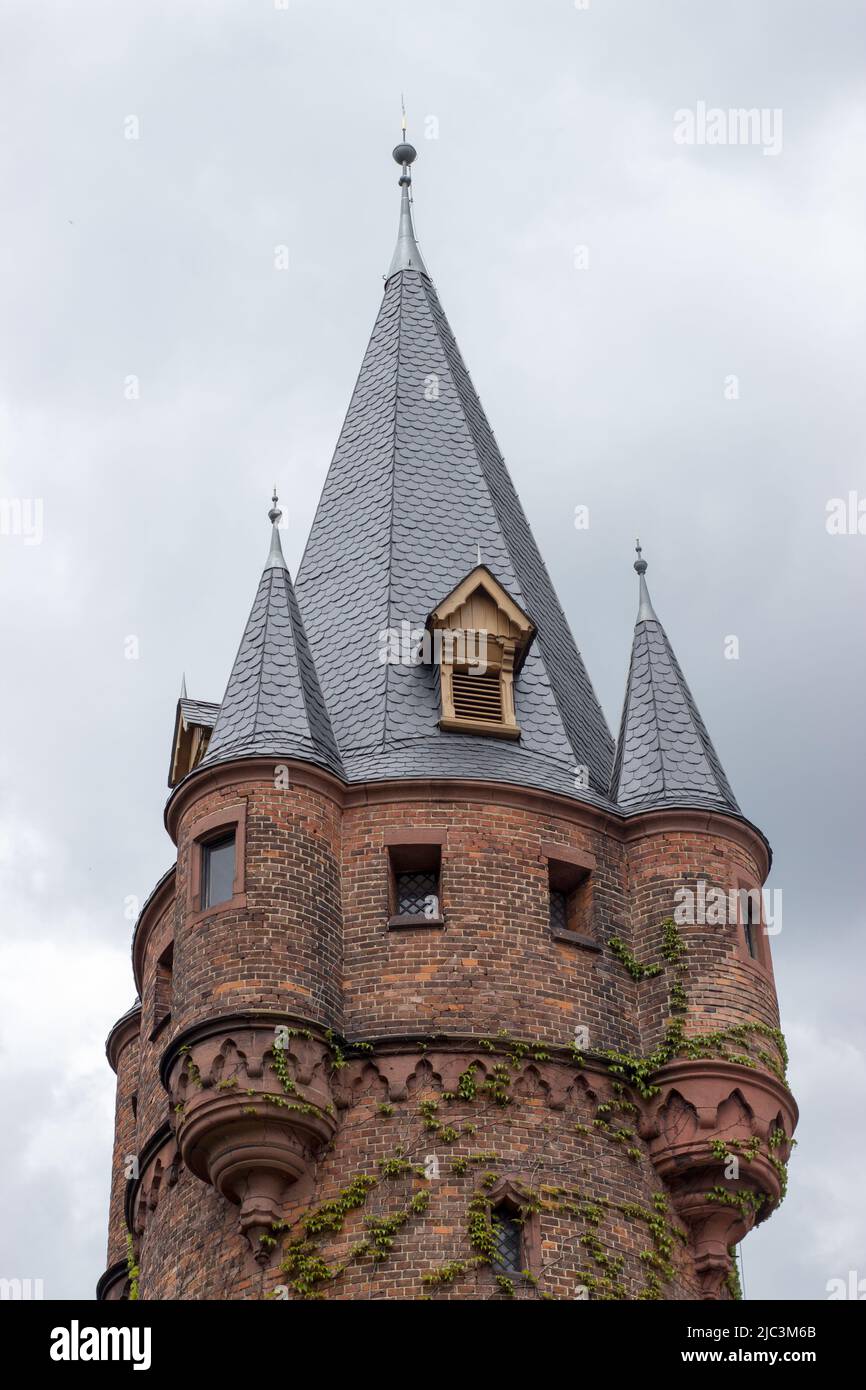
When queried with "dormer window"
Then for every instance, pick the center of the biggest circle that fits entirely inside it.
(193, 726)
(480, 640)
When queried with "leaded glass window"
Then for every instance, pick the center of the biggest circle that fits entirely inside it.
(558, 910)
(418, 894)
(508, 1236)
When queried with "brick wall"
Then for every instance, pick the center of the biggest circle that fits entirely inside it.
(311, 939)
(283, 948)
(125, 1142)
(724, 986)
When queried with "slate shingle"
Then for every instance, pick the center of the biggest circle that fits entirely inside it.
(416, 484)
(665, 756)
(273, 704)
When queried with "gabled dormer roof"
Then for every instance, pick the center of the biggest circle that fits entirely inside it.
(193, 725)
(664, 755)
(273, 705)
(479, 603)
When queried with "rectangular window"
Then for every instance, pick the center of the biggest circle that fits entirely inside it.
(162, 989)
(508, 1236)
(414, 887)
(570, 900)
(217, 870)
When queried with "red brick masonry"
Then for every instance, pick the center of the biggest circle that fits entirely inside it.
(430, 1073)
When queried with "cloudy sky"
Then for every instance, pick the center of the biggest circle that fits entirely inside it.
(668, 334)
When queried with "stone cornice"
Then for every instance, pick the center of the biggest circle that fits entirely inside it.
(151, 912)
(148, 1151)
(116, 1273)
(386, 1045)
(742, 832)
(207, 779)
(125, 1030)
(581, 813)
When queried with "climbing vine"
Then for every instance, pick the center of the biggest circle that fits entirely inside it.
(132, 1269)
(309, 1270)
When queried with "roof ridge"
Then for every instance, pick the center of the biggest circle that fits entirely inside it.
(480, 454)
(401, 273)
(652, 683)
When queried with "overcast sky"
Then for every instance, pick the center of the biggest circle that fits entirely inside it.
(606, 373)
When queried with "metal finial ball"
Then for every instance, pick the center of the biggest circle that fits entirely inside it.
(405, 154)
(640, 563)
(274, 514)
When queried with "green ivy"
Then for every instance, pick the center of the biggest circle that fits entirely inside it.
(132, 1269)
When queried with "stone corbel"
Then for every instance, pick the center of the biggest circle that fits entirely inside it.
(237, 1128)
(700, 1101)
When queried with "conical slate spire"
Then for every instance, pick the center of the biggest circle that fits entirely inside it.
(416, 485)
(273, 705)
(664, 755)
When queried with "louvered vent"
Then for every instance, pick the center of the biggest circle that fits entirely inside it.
(477, 696)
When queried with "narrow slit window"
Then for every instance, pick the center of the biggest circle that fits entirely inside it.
(508, 1237)
(162, 989)
(750, 925)
(217, 871)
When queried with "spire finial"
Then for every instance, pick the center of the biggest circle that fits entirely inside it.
(183, 694)
(275, 554)
(645, 612)
(406, 254)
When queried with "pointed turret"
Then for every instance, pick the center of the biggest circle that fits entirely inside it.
(664, 756)
(417, 489)
(273, 705)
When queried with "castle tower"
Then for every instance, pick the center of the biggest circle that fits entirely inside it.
(445, 996)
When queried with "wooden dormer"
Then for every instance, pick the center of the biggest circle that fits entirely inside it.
(480, 640)
(193, 726)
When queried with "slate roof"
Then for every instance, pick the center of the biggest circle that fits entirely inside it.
(416, 485)
(273, 704)
(201, 712)
(665, 756)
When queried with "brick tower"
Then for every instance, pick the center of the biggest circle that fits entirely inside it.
(446, 995)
